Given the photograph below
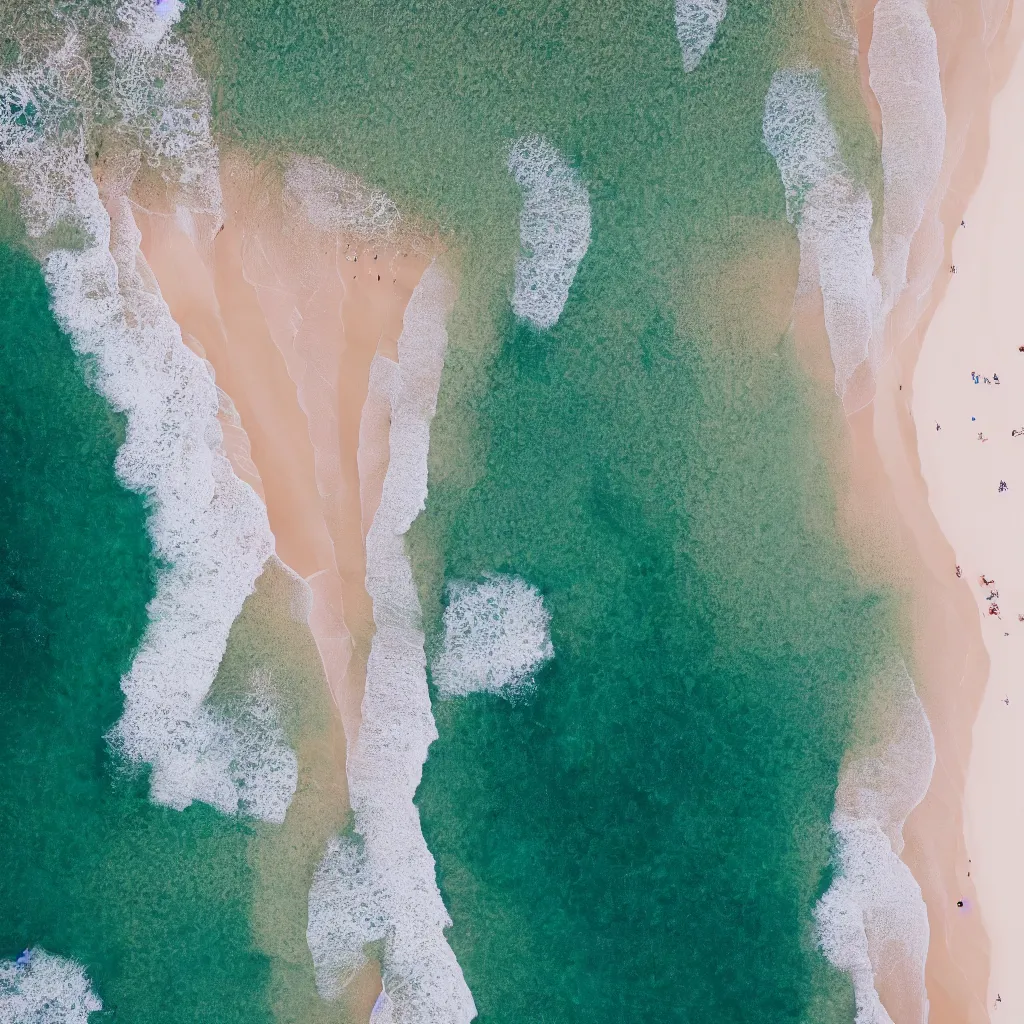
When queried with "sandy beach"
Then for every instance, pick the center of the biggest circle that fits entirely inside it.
(896, 532)
(905, 509)
(968, 397)
(289, 316)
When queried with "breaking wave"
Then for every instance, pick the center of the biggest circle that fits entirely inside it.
(496, 636)
(903, 62)
(697, 24)
(40, 988)
(378, 885)
(872, 921)
(832, 214)
(336, 201)
(208, 528)
(554, 229)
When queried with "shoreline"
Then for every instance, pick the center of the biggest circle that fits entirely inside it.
(892, 531)
(977, 321)
(289, 316)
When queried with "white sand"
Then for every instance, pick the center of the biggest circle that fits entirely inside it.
(978, 328)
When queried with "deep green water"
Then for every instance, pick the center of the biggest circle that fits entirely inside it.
(155, 903)
(647, 838)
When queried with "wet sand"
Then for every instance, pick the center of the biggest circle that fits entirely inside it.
(290, 316)
(892, 531)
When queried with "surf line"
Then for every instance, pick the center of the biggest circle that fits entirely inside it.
(208, 529)
(872, 921)
(832, 213)
(377, 884)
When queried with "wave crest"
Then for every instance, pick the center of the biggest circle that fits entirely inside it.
(496, 636)
(872, 921)
(208, 528)
(40, 988)
(554, 229)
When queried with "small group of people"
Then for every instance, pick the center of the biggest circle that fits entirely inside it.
(994, 379)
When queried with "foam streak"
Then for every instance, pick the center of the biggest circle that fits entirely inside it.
(496, 636)
(697, 24)
(380, 884)
(872, 921)
(40, 988)
(206, 526)
(554, 228)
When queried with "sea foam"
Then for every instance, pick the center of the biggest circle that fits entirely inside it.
(378, 885)
(554, 229)
(903, 63)
(872, 921)
(334, 200)
(832, 214)
(496, 636)
(697, 24)
(163, 106)
(208, 529)
(47, 989)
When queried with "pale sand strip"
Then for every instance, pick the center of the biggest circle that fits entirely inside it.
(290, 317)
(892, 534)
(979, 327)
(906, 547)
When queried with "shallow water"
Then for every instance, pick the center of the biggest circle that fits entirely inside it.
(644, 829)
(649, 834)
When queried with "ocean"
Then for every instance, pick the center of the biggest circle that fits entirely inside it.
(646, 648)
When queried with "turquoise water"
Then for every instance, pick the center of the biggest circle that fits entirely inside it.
(155, 903)
(647, 835)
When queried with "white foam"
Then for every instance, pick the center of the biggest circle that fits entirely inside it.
(47, 990)
(206, 526)
(872, 921)
(554, 229)
(832, 214)
(163, 105)
(697, 24)
(383, 1011)
(496, 636)
(904, 74)
(334, 200)
(379, 885)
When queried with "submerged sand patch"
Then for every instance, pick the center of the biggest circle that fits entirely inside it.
(289, 316)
